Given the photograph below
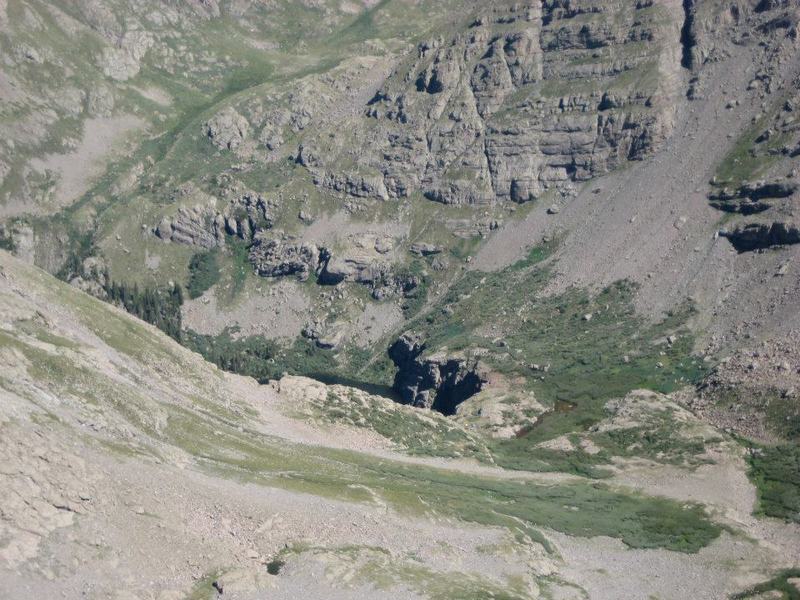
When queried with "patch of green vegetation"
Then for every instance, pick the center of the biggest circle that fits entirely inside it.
(161, 308)
(261, 358)
(203, 273)
(654, 431)
(659, 443)
(6, 241)
(79, 247)
(779, 411)
(383, 570)
(775, 471)
(415, 299)
(780, 583)
(126, 450)
(535, 255)
(417, 432)
(370, 368)
(748, 158)
(51, 365)
(203, 589)
(274, 566)
(783, 416)
(511, 454)
(575, 509)
(363, 27)
(41, 332)
(240, 267)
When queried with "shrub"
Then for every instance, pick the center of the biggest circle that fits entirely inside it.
(203, 273)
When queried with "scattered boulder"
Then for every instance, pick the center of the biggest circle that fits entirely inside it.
(391, 284)
(384, 244)
(335, 271)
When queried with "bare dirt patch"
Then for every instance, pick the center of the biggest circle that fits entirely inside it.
(277, 310)
(76, 170)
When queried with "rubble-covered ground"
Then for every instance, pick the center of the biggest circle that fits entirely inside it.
(497, 299)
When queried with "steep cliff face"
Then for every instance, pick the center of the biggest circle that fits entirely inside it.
(520, 99)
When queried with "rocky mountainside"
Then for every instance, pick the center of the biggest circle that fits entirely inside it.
(132, 467)
(542, 241)
(520, 99)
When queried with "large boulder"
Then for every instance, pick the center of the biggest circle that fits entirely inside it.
(204, 226)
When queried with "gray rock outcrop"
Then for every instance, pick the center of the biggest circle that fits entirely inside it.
(124, 61)
(272, 257)
(227, 129)
(425, 249)
(382, 277)
(247, 214)
(755, 236)
(753, 197)
(205, 227)
(436, 382)
(200, 226)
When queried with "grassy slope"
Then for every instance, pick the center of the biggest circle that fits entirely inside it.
(199, 416)
(589, 361)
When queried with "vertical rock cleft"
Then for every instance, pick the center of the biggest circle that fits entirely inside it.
(688, 40)
(437, 381)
